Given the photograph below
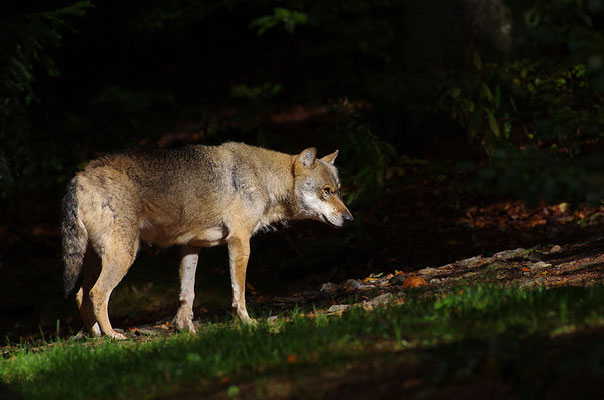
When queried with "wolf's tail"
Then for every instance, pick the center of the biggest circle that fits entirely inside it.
(75, 239)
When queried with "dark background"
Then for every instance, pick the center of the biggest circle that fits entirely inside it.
(438, 108)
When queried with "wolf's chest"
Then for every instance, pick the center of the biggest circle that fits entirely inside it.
(169, 235)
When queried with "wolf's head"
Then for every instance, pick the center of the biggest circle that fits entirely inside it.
(317, 189)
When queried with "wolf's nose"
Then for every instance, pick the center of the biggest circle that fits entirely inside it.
(347, 217)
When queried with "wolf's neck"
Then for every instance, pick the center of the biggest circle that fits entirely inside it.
(281, 189)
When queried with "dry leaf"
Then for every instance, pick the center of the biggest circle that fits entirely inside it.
(414, 281)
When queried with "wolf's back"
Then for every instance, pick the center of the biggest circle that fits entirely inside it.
(75, 238)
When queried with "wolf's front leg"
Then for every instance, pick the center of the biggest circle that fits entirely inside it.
(188, 264)
(239, 254)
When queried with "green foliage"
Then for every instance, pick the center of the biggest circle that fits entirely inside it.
(290, 19)
(557, 104)
(538, 114)
(574, 25)
(475, 105)
(365, 156)
(546, 103)
(24, 43)
(536, 175)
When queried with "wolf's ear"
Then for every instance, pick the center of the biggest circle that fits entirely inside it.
(308, 157)
(330, 158)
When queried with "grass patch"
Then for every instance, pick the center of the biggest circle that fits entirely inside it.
(222, 352)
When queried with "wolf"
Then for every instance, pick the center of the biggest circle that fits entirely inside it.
(196, 196)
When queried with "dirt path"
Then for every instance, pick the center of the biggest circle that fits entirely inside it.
(580, 264)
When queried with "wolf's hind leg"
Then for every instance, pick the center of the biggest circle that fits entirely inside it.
(239, 254)
(118, 257)
(92, 269)
(87, 313)
(188, 264)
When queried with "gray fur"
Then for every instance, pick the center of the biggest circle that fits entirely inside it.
(75, 239)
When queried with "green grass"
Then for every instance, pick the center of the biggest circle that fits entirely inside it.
(101, 368)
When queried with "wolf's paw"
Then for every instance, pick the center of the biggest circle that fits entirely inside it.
(183, 320)
(184, 325)
(116, 335)
(249, 321)
(241, 313)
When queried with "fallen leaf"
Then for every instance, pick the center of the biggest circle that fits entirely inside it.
(563, 207)
(414, 281)
(525, 269)
(292, 358)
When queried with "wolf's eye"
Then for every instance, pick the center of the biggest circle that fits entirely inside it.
(327, 190)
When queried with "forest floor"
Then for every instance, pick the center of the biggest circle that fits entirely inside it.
(498, 244)
(563, 360)
(422, 235)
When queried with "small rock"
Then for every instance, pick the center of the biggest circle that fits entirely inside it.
(508, 254)
(353, 284)
(383, 299)
(145, 332)
(540, 265)
(555, 249)
(338, 308)
(329, 287)
(398, 279)
(272, 318)
(435, 281)
(468, 262)
(427, 271)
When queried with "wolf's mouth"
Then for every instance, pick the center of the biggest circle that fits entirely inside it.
(328, 222)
